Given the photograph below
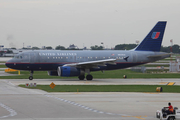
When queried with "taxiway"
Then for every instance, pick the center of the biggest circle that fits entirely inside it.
(29, 104)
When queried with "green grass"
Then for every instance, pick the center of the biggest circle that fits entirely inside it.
(154, 65)
(96, 75)
(107, 88)
(3, 66)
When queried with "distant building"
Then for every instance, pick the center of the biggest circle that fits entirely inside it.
(175, 65)
(8, 52)
(72, 46)
(2, 50)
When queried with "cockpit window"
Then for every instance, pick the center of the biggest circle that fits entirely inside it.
(18, 57)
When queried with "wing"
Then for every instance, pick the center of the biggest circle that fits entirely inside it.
(92, 64)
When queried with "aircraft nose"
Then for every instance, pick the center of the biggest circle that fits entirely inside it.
(9, 63)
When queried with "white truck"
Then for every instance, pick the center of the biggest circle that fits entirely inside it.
(162, 115)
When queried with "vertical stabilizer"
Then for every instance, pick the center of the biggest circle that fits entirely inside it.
(152, 42)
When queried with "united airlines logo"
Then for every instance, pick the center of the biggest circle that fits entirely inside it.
(155, 35)
(57, 54)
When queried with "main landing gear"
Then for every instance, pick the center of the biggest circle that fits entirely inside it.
(31, 75)
(88, 77)
(81, 77)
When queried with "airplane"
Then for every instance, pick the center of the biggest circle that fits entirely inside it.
(77, 63)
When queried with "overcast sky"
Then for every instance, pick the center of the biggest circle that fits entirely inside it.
(85, 22)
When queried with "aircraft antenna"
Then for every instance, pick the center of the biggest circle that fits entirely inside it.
(171, 41)
(171, 45)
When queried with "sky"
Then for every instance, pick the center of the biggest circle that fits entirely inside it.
(85, 23)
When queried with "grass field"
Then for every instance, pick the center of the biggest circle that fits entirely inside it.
(96, 75)
(3, 66)
(154, 65)
(107, 88)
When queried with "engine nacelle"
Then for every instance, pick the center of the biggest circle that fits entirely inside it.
(67, 71)
(52, 73)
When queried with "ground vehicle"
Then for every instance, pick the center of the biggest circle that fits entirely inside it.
(162, 115)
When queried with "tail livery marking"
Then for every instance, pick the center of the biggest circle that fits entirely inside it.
(155, 35)
(153, 40)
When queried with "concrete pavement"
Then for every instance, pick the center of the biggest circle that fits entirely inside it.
(29, 104)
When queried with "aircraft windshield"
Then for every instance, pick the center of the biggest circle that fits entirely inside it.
(18, 57)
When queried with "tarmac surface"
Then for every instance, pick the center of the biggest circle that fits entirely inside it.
(18, 103)
(161, 81)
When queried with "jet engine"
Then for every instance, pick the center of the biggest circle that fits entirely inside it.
(67, 71)
(52, 73)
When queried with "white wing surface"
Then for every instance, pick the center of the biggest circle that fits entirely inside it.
(92, 64)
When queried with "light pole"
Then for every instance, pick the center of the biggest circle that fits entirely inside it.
(103, 44)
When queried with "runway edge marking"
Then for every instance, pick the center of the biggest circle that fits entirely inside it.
(12, 112)
(91, 109)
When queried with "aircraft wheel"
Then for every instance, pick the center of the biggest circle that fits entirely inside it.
(30, 77)
(89, 77)
(81, 77)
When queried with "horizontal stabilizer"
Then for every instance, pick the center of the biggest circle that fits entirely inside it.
(161, 55)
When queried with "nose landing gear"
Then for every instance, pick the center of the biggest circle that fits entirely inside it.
(31, 75)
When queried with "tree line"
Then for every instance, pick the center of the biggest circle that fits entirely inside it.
(175, 48)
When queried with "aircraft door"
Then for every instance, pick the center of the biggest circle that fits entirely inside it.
(74, 59)
(134, 56)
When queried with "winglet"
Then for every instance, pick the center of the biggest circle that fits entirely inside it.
(152, 42)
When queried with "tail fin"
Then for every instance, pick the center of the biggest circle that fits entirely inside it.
(152, 42)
